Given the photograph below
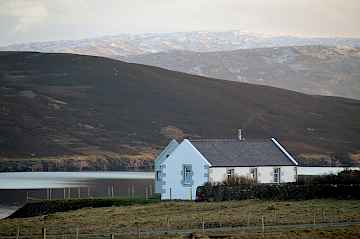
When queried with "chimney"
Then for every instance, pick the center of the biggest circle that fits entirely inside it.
(240, 136)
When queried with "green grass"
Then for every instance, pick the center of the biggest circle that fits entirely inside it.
(352, 232)
(183, 215)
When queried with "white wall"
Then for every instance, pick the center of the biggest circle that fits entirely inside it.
(265, 174)
(172, 167)
(323, 170)
(160, 159)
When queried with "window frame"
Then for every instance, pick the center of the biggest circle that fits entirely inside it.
(254, 173)
(158, 175)
(230, 173)
(187, 174)
(277, 175)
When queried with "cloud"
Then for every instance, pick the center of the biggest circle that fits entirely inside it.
(27, 13)
(43, 20)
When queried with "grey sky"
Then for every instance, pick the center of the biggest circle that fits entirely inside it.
(43, 20)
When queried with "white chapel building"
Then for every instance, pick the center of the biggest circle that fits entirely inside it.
(181, 167)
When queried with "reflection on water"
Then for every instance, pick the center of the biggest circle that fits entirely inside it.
(6, 210)
(36, 180)
(17, 188)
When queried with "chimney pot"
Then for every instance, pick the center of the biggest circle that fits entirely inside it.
(240, 136)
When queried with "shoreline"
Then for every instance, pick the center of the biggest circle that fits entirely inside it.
(7, 210)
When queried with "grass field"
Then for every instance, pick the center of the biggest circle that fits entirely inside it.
(185, 215)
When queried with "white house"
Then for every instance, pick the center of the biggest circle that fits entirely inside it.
(182, 167)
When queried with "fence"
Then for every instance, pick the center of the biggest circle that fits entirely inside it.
(111, 191)
(253, 222)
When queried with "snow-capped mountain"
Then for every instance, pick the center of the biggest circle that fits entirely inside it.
(128, 44)
(319, 70)
(325, 66)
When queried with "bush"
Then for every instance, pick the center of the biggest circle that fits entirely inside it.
(344, 177)
(238, 180)
(278, 192)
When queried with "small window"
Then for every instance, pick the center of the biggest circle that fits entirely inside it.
(253, 173)
(187, 174)
(158, 175)
(277, 173)
(230, 173)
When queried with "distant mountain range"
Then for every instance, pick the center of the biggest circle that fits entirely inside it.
(129, 45)
(324, 66)
(53, 105)
(318, 70)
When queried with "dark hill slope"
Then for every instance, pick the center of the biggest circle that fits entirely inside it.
(57, 104)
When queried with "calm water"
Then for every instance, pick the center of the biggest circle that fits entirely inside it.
(16, 188)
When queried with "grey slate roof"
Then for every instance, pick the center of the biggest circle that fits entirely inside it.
(236, 153)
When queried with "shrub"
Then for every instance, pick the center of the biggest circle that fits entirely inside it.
(278, 192)
(238, 180)
(344, 177)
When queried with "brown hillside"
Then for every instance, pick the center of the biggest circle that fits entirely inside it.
(63, 104)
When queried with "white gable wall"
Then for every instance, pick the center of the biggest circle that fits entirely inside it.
(265, 173)
(184, 154)
(160, 159)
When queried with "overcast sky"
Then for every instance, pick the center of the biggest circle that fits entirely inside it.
(44, 20)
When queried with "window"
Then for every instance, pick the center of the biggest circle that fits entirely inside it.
(277, 175)
(187, 174)
(158, 175)
(253, 173)
(230, 173)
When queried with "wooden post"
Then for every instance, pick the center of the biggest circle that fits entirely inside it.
(69, 193)
(112, 191)
(263, 225)
(132, 191)
(203, 224)
(18, 232)
(170, 194)
(64, 193)
(275, 217)
(220, 218)
(112, 236)
(150, 190)
(190, 193)
(77, 233)
(129, 192)
(146, 193)
(44, 233)
(50, 192)
(138, 230)
(79, 192)
(167, 223)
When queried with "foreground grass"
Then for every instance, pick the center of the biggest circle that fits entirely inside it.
(183, 215)
(352, 232)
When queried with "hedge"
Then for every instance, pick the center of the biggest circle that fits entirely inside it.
(52, 206)
(277, 192)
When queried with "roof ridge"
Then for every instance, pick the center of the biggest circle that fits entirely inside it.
(211, 140)
(231, 140)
